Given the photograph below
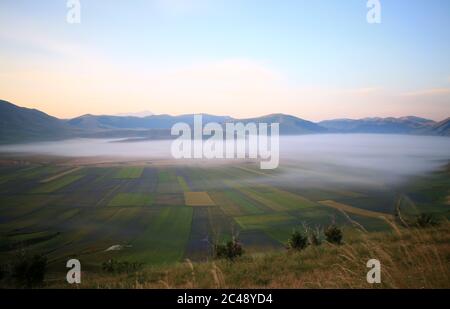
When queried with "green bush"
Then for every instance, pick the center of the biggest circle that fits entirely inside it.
(29, 271)
(113, 266)
(425, 220)
(333, 234)
(3, 272)
(229, 250)
(298, 241)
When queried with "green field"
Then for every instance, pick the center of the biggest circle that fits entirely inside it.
(246, 206)
(63, 211)
(129, 172)
(168, 182)
(165, 238)
(131, 199)
(54, 185)
(183, 184)
(263, 221)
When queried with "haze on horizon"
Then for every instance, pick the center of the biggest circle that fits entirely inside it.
(313, 59)
(309, 160)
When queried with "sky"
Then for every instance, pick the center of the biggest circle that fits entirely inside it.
(315, 59)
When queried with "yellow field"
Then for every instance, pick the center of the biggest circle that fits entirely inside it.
(355, 210)
(183, 183)
(198, 199)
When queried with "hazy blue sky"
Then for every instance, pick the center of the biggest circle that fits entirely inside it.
(316, 59)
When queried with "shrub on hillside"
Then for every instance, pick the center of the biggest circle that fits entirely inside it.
(3, 272)
(29, 271)
(425, 220)
(113, 266)
(229, 250)
(297, 241)
(333, 234)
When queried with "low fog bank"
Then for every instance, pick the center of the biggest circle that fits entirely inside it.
(361, 158)
(85, 147)
(312, 160)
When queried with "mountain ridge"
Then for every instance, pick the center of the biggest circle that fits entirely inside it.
(20, 124)
(401, 125)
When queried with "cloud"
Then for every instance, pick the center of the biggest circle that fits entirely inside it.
(428, 92)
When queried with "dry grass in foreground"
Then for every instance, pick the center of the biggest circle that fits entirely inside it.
(410, 258)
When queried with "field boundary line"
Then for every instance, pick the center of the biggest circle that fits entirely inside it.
(355, 210)
(57, 176)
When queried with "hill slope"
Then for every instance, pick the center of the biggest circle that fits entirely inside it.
(288, 124)
(131, 122)
(19, 124)
(401, 125)
(440, 128)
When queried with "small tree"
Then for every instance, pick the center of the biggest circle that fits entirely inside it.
(333, 234)
(229, 250)
(298, 241)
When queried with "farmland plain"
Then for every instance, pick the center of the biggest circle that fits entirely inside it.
(158, 214)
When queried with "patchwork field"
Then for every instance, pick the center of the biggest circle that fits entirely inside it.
(355, 210)
(164, 214)
(129, 172)
(165, 238)
(263, 221)
(198, 199)
(131, 199)
(56, 184)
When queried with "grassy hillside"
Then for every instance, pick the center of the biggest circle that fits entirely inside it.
(410, 258)
(24, 124)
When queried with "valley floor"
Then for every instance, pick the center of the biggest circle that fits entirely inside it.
(159, 216)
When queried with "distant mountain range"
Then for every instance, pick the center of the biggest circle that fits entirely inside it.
(403, 125)
(19, 124)
(138, 114)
